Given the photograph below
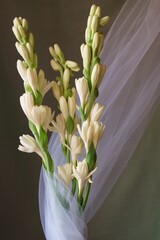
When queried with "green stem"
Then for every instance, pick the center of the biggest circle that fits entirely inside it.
(73, 186)
(68, 156)
(86, 195)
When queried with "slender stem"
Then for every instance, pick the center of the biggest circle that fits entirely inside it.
(73, 186)
(86, 195)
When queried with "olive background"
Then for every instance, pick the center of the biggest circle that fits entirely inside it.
(132, 210)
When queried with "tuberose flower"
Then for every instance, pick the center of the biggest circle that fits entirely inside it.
(64, 107)
(76, 146)
(27, 103)
(65, 173)
(41, 116)
(91, 131)
(82, 89)
(96, 112)
(29, 145)
(81, 174)
(59, 126)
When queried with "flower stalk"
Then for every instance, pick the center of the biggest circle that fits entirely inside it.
(78, 127)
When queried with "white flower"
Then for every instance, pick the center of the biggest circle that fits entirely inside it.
(97, 74)
(22, 70)
(96, 112)
(27, 103)
(76, 146)
(86, 55)
(71, 106)
(64, 107)
(41, 116)
(23, 52)
(82, 175)
(91, 131)
(43, 85)
(56, 90)
(29, 145)
(32, 78)
(65, 173)
(59, 126)
(82, 89)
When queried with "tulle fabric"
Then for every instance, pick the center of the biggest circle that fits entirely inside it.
(130, 92)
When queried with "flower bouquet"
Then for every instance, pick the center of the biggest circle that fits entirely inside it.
(66, 177)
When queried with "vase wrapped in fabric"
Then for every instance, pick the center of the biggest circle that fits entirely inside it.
(77, 172)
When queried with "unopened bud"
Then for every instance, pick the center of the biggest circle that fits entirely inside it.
(66, 77)
(55, 65)
(95, 75)
(59, 52)
(86, 56)
(30, 50)
(101, 43)
(93, 9)
(22, 32)
(31, 39)
(56, 90)
(72, 65)
(94, 24)
(25, 24)
(98, 12)
(17, 33)
(16, 22)
(52, 52)
(104, 21)
(95, 43)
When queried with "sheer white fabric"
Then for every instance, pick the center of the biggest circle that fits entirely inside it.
(130, 92)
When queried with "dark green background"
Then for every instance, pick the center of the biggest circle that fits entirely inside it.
(131, 211)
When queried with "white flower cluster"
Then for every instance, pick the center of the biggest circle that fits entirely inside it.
(79, 133)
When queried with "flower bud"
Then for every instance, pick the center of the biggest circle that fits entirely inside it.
(104, 21)
(64, 107)
(82, 89)
(95, 75)
(98, 12)
(16, 22)
(95, 43)
(22, 32)
(59, 52)
(56, 90)
(25, 24)
(72, 65)
(86, 56)
(65, 173)
(32, 79)
(94, 24)
(17, 33)
(101, 43)
(31, 39)
(96, 112)
(30, 50)
(22, 70)
(52, 52)
(66, 77)
(89, 21)
(93, 9)
(55, 65)
(71, 106)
